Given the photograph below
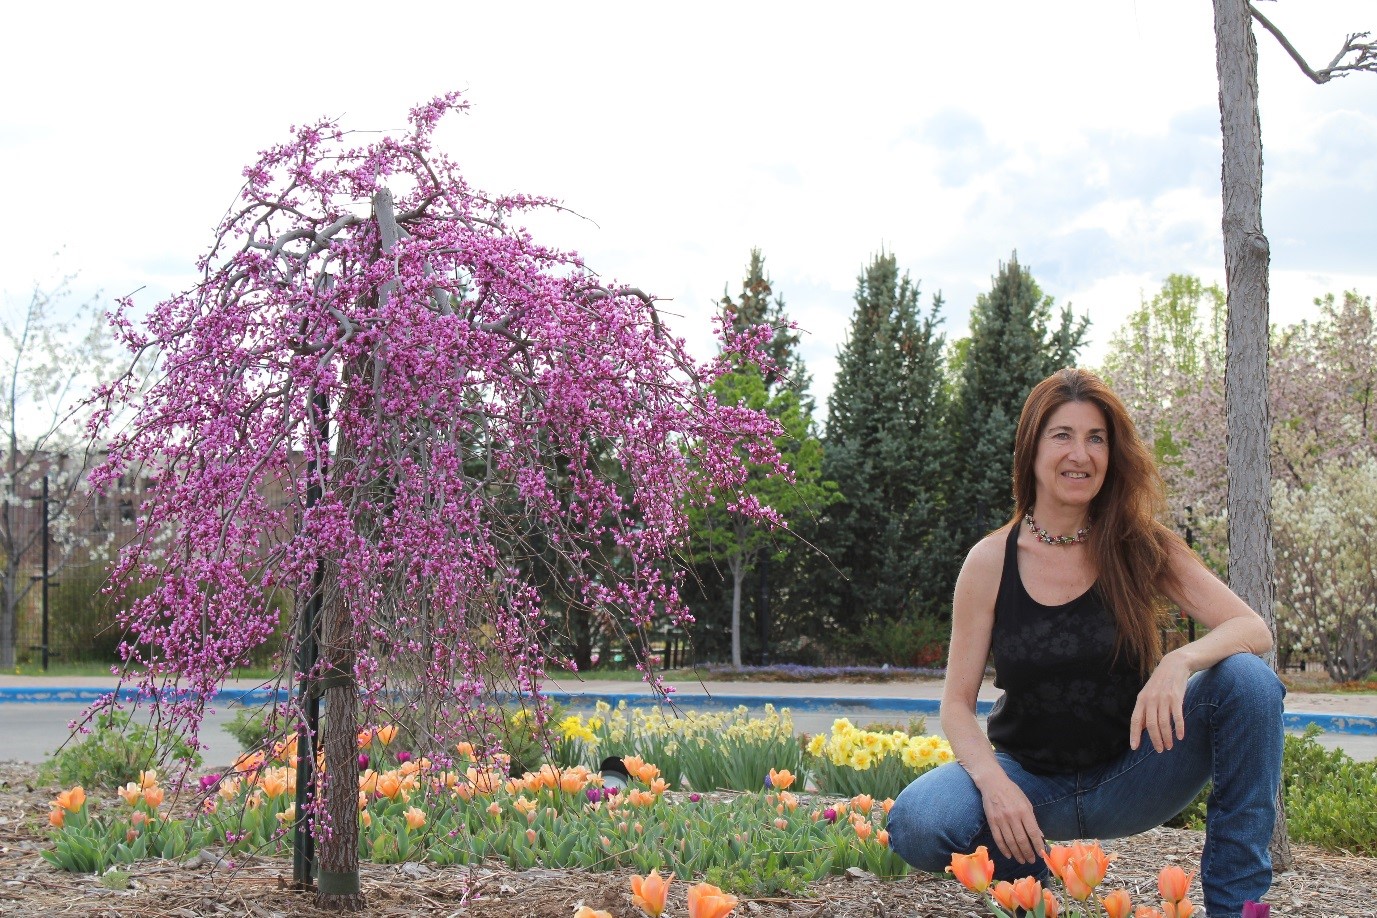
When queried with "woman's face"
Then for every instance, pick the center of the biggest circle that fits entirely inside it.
(1073, 455)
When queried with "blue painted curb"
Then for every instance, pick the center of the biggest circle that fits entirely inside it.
(1352, 724)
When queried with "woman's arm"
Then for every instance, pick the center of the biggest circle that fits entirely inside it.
(1007, 809)
(1234, 628)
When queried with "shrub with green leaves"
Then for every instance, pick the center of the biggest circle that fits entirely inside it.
(251, 727)
(116, 751)
(1329, 797)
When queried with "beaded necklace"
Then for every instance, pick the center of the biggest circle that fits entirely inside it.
(1042, 535)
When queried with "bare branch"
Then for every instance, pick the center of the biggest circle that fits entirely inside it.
(1366, 52)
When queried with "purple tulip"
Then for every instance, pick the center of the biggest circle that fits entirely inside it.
(1253, 909)
(694, 798)
(363, 760)
(209, 781)
(403, 758)
(594, 794)
(830, 814)
(610, 792)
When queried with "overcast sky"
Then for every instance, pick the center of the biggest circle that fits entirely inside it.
(1085, 135)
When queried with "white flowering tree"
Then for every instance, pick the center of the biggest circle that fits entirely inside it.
(49, 354)
(1326, 567)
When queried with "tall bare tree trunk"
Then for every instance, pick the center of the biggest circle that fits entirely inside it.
(1246, 257)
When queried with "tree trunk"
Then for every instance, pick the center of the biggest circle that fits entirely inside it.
(738, 566)
(337, 826)
(1246, 256)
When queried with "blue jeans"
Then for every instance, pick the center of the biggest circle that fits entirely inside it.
(1233, 739)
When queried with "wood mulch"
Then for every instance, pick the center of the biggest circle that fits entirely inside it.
(1322, 883)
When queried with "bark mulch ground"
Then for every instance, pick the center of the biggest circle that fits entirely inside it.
(1322, 883)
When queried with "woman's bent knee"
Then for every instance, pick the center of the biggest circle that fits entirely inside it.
(937, 815)
(1248, 679)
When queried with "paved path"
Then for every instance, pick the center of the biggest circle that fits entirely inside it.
(33, 729)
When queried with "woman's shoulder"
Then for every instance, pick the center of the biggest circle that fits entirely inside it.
(987, 555)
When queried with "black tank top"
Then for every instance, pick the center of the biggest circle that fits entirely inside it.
(1067, 703)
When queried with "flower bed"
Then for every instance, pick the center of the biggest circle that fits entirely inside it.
(463, 808)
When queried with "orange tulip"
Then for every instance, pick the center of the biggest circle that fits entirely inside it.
(586, 912)
(530, 836)
(131, 793)
(1003, 893)
(1027, 892)
(887, 804)
(863, 830)
(1091, 863)
(365, 737)
(387, 734)
(288, 815)
(1057, 857)
(882, 838)
(1146, 911)
(389, 785)
(707, 901)
(56, 817)
(148, 778)
(71, 800)
(1117, 904)
(1181, 909)
(415, 818)
(649, 892)
(274, 783)
(641, 798)
(1174, 883)
(524, 805)
(494, 809)
(153, 796)
(862, 802)
(1050, 906)
(975, 870)
(249, 761)
(366, 818)
(782, 779)
(788, 801)
(1076, 887)
(464, 749)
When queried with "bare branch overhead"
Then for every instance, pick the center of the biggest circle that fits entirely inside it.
(1364, 52)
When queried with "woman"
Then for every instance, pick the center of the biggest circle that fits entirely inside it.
(1098, 734)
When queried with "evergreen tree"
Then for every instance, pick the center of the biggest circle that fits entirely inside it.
(754, 306)
(735, 557)
(1013, 346)
(884, 449)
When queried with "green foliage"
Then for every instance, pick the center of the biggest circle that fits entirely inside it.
(250, 727)
(1329, 796)
(776, 838)
(88, 843)
(761, 881)
(115, 752)
(912, 640)
(1014, 345)
(887, 555)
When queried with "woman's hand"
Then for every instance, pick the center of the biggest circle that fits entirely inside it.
(1010, 816)
(1160, 709)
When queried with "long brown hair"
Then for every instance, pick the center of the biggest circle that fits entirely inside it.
(1127, 540)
